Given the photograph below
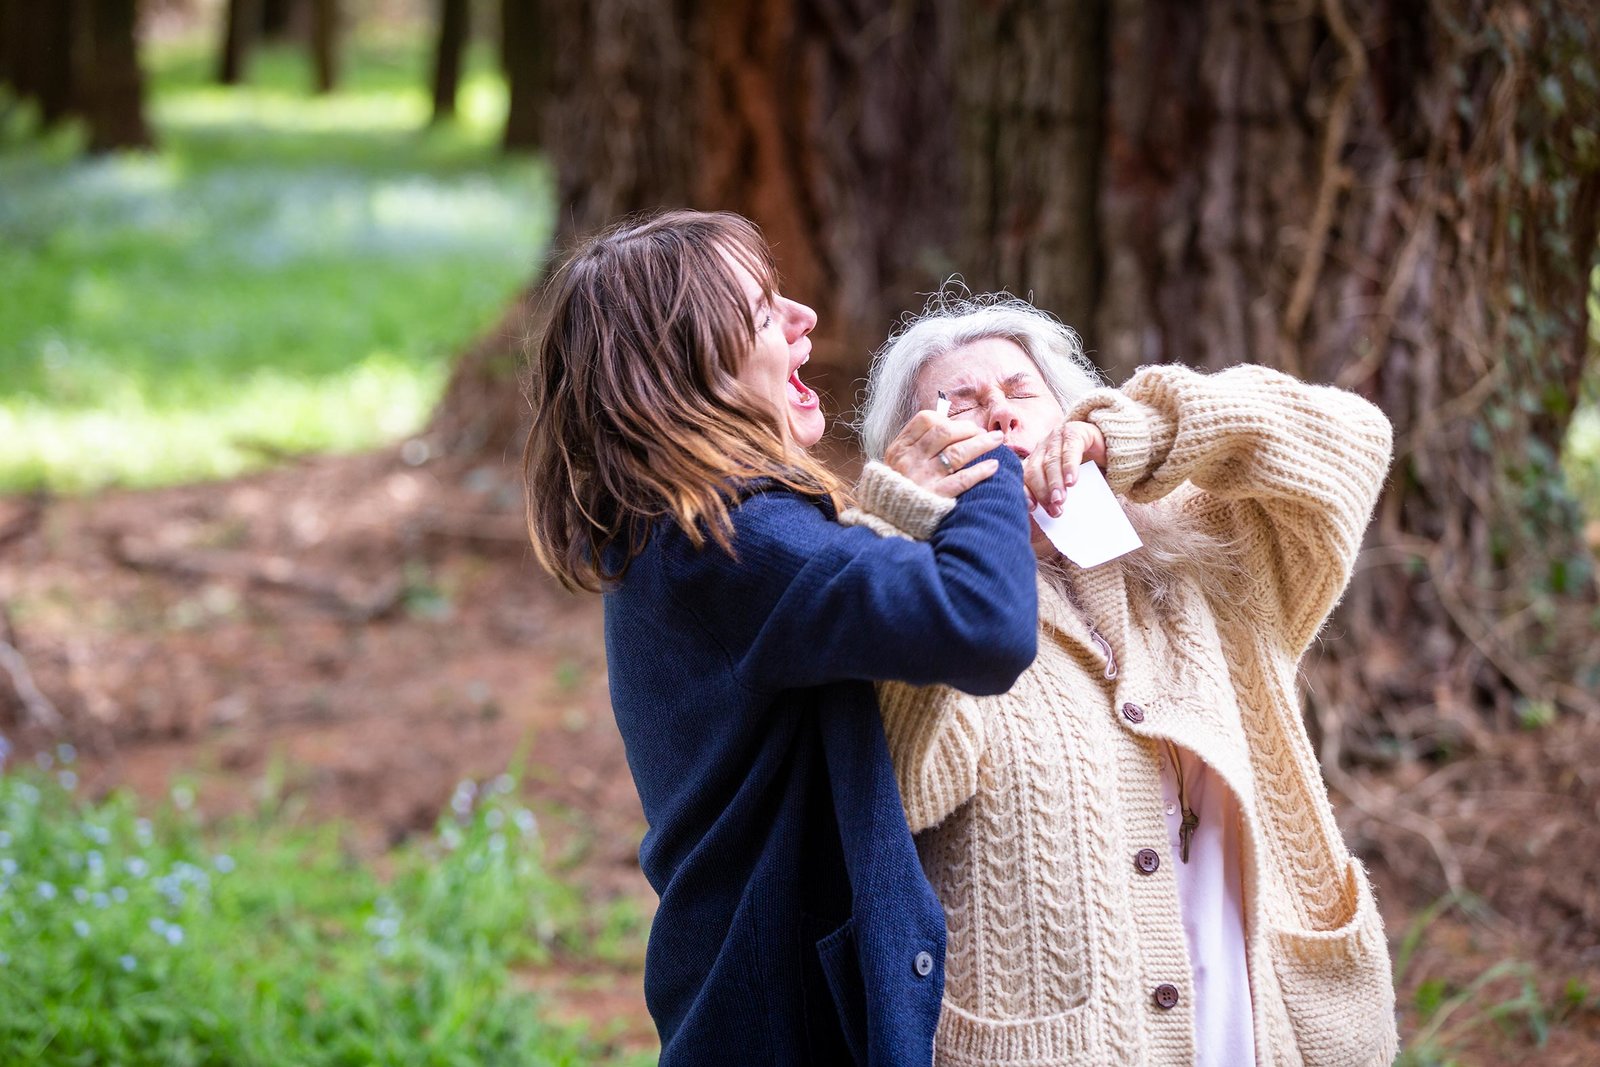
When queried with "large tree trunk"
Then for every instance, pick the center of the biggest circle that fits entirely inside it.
(449, 47)
(111, 85)
(1394, 198)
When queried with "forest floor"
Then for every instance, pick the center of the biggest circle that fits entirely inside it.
(360, 635)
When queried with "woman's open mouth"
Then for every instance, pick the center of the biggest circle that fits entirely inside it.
(799, 395)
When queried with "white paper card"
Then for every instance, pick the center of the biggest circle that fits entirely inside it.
(1092, 528)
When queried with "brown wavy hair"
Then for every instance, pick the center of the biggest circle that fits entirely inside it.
(637, 410)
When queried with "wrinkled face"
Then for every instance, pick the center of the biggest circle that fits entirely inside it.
(995, 384)
(772, 369)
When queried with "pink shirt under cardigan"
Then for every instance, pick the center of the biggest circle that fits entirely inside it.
(1211, 896)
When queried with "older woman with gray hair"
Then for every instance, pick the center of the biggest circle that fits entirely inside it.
(1134, 847)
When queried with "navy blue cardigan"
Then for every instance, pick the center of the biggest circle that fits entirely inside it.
(796, 925)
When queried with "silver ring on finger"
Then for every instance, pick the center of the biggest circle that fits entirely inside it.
(944, 461)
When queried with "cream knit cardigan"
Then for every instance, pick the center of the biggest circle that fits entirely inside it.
(1029, 807)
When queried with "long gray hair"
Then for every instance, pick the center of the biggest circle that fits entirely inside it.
(1174, 543)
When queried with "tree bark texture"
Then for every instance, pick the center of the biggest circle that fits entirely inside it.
(1399, 199)
(325, 45)
(449, 49)
(1377, 196)
(241, 22)
(1029, 92)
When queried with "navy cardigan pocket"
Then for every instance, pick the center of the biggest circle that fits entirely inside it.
(837, 953)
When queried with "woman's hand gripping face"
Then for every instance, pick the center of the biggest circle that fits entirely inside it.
(934, 451)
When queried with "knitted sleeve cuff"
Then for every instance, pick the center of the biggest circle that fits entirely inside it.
(892, 504)
(1136, 436)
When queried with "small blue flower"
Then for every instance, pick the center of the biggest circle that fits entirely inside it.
(174, 934)
(80, 894)
(44, 760)
(8, 866)
(128, 962)
(68, 780)
(66, 753)
(46, 890)
(141, 831)
(137, 866)
(223, 863)
(525, 822)
(494, 818)
(100, 900)
(119, 894)
(5, 838)
(80, 927)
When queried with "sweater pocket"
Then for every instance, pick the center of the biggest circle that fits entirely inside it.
(1337, 987)
(841, 968)
(968, 1040)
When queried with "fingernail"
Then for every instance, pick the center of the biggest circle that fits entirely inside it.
(1056, 497)
(1072, 478)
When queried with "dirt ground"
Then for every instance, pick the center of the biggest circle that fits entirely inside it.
(369, 633)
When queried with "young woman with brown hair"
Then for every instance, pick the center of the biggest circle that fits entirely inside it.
(745, 626)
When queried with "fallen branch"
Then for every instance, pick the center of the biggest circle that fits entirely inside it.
(38, 708)
(274, 572)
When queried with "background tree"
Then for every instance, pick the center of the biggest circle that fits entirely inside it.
(110, 83)
(325, 44)
(241, 24)
(526, 27)
(78, 60)
(1400, 199)
(278, 19)
(37, 45)
(450, 45)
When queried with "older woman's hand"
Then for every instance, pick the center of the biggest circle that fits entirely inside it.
(1053, 465)
(934, 450)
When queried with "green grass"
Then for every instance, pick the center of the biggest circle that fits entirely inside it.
(156, 941)
(285, 274)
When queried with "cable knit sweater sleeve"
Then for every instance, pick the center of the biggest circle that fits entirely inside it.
(1287, 471)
